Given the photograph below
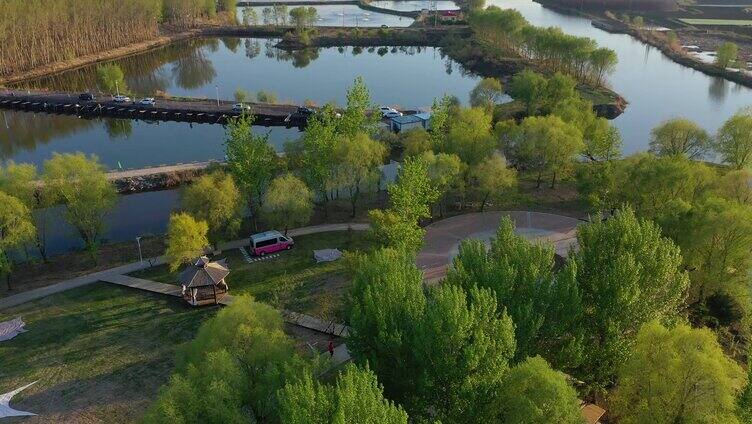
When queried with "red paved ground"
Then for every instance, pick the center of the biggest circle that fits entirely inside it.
(443, 237)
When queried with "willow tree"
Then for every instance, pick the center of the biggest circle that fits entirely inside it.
(80, 183)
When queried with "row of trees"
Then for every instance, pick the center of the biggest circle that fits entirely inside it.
(40, 32)
(336, 157)
(503, 31)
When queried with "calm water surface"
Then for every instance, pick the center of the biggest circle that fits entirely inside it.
(656, 88)
(407, 77)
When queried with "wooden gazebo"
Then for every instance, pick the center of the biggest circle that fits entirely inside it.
(204, 282)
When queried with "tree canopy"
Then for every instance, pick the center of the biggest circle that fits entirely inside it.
(288, 203)
(186, 240)
(675, 375)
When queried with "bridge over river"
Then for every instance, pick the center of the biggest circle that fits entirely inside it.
(178, 110)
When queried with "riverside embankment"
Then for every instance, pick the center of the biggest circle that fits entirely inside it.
(656, 39)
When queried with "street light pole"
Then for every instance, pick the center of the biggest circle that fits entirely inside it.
(217, 88)
(138, 241)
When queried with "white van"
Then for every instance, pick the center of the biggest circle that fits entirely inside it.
(269, 242)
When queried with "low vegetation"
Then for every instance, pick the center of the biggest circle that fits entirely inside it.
(99, 352)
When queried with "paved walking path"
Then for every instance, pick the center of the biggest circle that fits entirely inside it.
(443, 237)
(83, 280)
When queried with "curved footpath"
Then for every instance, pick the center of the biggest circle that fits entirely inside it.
(83, 280)
(441, 245)
(443, 237)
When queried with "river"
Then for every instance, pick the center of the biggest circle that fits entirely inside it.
(656, 88)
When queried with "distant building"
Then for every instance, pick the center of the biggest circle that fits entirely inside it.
(450, 15)
(409, 122)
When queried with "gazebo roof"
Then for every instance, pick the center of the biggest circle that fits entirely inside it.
(204, 273)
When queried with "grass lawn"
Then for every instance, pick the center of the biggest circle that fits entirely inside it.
(293, 280)
(100, 352)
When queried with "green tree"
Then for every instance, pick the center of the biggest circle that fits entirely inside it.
(602, 140)
(494, 179)
(303, 17)
(744, 399)
(357, 116)
(603, 61)
(677, 375)
(241, 95)
(359, 158)
(548, 146)
(469, 136)
(111, 78)
(545, 307)
(661, 186)
(81, 184)
(251, 160)
(628, 275)
(486, 93)
(232, 370)
(533, 393)
(714, 236)
(266, 97)
(638, 21)
(22, 180)
(726, 54)
(464, 345)
(442, 353)
(356, 397)
(734, 141)
(527, 87)
(416, 141)
(736, 185)
(445, 172)
(679, 136)
(215, 199)
(288, 203)
(318, 146)
(186, 240)
(597, 186)
(440, 119)
(410, 200)
(16, 228)
(386, 304)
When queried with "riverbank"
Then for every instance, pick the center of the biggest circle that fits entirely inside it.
(655, 39)
(116, 53)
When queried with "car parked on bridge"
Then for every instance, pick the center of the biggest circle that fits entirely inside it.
(306, 111)
(86, 97)
(147, 101)
(119, 98)
(388, 112)
(241, 107)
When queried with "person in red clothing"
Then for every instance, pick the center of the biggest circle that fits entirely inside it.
(330, 347)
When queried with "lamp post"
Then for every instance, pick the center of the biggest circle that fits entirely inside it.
(217, 88)
(138, 241)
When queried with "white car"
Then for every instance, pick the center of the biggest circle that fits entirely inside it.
(147, 101)
(388, 112)
(121, 99)
(240, 107)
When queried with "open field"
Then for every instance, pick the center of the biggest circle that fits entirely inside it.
(292, 280)
(100, 352)
(724, 22)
